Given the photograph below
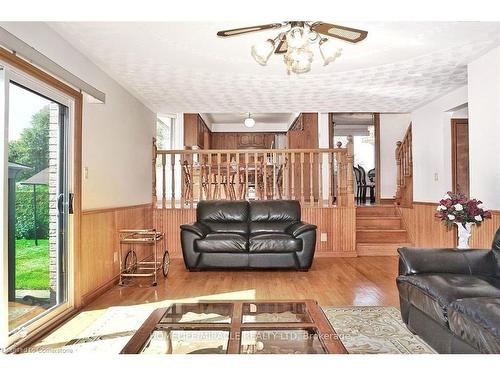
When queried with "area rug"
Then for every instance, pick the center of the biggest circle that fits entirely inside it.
(374, 330)
(362, 329)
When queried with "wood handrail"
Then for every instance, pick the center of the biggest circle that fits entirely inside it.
(253, 150)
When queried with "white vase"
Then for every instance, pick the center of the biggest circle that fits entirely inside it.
(464, 234)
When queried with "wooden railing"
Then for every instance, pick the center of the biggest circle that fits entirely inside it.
(316, 177)
(404, 168)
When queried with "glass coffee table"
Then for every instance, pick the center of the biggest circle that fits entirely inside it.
(237, 327)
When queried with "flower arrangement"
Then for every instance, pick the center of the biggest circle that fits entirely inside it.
(457, 208)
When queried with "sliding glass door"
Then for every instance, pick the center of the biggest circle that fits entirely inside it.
(38, 206)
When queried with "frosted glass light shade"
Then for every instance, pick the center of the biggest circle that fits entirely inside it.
(299, 60)
(329, 51)
(249, 122)
(262, 51)
(297, 37)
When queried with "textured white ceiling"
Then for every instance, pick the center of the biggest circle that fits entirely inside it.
(185, 67)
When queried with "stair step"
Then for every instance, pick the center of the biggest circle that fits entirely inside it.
(380, 249)
(378, 222)
(381, 235)
(363, 211)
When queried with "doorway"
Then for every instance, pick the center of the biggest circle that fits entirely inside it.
(38, 203)
(460, 155)
(365, 130)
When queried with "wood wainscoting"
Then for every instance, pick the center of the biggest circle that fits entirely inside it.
(427, 231)
(339, 224)
(99, 268)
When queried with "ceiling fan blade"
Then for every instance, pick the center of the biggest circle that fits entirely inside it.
(282, 46)
(250, 29)
(340, 32)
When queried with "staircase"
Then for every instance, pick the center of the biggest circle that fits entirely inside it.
(379, 231)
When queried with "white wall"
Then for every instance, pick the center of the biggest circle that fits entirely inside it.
(392, 129)
(484, 128)
(431, 132)
(116, 135)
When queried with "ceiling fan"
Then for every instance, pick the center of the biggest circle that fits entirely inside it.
(295, 42)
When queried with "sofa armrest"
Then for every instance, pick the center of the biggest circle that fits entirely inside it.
(300, 227)
(196, 228)
(414, 261)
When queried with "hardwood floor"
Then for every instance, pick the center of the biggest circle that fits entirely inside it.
(359, 281)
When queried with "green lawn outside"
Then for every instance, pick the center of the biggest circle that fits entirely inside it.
(32, 264)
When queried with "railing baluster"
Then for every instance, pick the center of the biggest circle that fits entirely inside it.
(172, 182)
(183, 179)
(218, 182)
(331, 178)
(191, 181)
(284, 176)
(311, 180)
(246, 175)
(209, 176)
(293, 175)
(164, 182)
(237, 184)
(256, 182)
(302, 199)
(320, 184)
(227, 185)
(201, 171)
(264, 166)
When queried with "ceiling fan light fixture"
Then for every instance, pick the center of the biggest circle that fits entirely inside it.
(249, 122)
(329, 51)
(262, 51)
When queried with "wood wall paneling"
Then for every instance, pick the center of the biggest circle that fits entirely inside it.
(100, 241)
(338, 223)
(429, 232)
(243, 140)
(482, 235)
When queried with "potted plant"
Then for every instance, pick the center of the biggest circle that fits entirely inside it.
(462, 211)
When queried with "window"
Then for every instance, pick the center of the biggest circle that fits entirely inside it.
(165, 132)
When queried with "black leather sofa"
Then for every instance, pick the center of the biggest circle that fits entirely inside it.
(248, 235)
(451, 298)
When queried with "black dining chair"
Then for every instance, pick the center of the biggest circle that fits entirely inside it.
(371, 184)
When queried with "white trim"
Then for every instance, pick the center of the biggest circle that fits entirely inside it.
(13, 43)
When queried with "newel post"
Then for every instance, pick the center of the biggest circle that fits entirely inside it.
(153, 174)
(350, 165)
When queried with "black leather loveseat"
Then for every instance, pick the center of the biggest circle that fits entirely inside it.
(248, 235)
(451, 298)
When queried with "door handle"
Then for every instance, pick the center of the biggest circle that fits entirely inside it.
(60, 202)
(70, 203)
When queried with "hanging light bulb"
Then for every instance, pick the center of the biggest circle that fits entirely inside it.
(262, 51)
(249, 121)
(329, 51)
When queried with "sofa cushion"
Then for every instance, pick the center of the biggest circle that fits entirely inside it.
(273, 216)
(224, 216)
(274, 243)
(222, 243)
(477, 321)
(433, 293)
